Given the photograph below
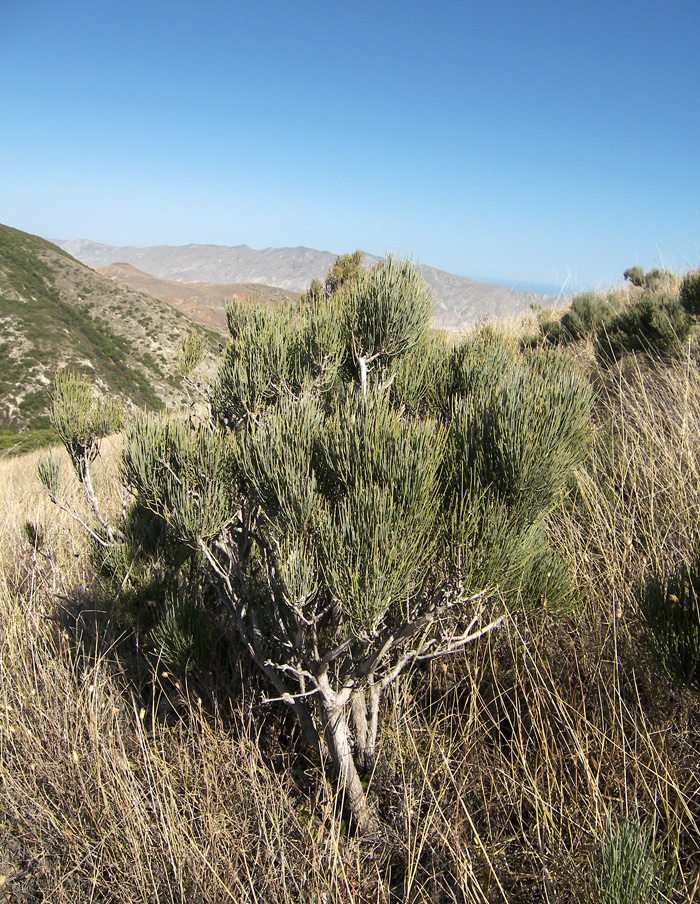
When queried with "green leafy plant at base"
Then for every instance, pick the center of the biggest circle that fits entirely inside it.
(183, 636)
(629, 869)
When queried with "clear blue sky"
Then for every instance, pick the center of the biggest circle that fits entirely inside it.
(528, 142)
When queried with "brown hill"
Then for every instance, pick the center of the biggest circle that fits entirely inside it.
(202, 302)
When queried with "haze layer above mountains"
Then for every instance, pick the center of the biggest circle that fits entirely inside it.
(458, 300)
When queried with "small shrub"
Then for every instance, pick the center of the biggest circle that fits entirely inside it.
(690, 293)
(657, 280)
(586, 314)
(635, 275)
(657, 325)
(629, 868)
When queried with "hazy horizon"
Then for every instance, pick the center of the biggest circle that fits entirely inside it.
(541, 288)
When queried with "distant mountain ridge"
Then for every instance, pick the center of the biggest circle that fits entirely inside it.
(458, 301)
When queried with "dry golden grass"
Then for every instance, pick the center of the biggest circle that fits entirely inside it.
(499, 770)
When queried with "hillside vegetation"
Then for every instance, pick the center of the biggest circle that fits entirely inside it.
(202, 303)
(353, 478)
(55, 313)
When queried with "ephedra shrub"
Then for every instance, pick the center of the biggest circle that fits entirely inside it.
(360, 497)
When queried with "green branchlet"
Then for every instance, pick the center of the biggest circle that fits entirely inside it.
(49, 471)
(183, 473)
(190, 352)
(80, 418)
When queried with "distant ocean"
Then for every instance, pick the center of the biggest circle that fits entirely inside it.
(540, 288)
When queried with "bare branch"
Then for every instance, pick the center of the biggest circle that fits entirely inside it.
(289, 699)
(457, 643)
(73, 514)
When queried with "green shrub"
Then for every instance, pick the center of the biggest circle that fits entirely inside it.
(586, 313)
(690, 293)
(629, 868)
(656, 325)
(635, 275)
(355, 507)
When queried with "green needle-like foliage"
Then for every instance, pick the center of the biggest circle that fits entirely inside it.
(381, 480)
(519, 431)
(375, 554)
(387, 310)
(49, 471)
(421, 378)
(183, 473)
(274, 353)
(366, 443)
(629, 868)
(183, 636)
(258, 362)
(190, 352)
(518, 425)
(276, 461)
(80, 418)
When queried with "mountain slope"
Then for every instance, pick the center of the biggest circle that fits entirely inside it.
(458, 300)
(55, 312)
(201, 302)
